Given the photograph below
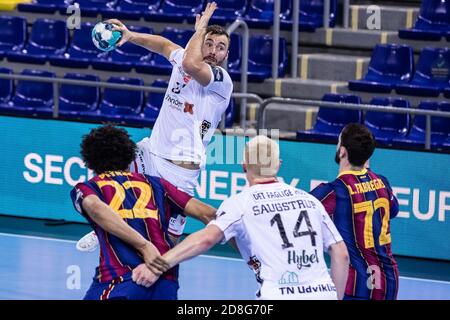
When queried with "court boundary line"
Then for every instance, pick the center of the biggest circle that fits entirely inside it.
(203, 256)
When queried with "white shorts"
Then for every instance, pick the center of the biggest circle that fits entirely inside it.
(182, 178)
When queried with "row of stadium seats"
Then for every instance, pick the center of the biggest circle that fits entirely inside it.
(393, 129)
(35, 98)
(257, 13)
(392, 68)
(433, 22)
(50, 41)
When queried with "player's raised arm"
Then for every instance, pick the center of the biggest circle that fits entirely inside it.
(193, 62)
(150, 42)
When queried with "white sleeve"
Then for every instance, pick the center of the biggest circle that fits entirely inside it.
(329, 232)
(228, 219)
(176, 57)
(220, 85)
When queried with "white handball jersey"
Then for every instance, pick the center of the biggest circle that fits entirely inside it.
(190, 113)
(281, 233)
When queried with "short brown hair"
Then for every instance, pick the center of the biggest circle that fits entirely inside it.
(219, 30)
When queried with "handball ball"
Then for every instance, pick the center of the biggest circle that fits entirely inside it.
(104, 37)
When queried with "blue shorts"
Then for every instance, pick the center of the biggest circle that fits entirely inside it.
(124, 288)
(346, 297)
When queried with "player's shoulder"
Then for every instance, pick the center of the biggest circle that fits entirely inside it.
(220, 75)
(323, 189)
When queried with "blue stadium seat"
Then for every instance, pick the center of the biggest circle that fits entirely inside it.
(81, 50)
(447, 91)
(31, 96)
(260, 59)
(131, 9)
(125, 57)
(6, 87)
(440, 127)
(330, 121)
(48, 37)
(13, 33)
(75, 99)
(387, 126)
(159, 64)
(432, 74)
(44, 6)
(446, 144)
(235, 56)
(433, 21)
(91, 8)
(175, 11)
(311, 15)
(389, 66)
(228, 11)
(260, 13)
(117, 104)
(230, 113)
(151, 109)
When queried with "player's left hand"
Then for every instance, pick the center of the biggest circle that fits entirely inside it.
(201, 21)
(143, 276)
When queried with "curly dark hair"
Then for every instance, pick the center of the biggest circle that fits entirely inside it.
(359, 142)
(107, 148)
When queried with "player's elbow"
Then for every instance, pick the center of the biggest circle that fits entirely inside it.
(190, 66)
(339, 253)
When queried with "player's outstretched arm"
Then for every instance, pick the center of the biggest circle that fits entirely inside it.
(193, 62)
(200, 211)
(112, 223)
(339, 266)
(150, 42)
(194, 245)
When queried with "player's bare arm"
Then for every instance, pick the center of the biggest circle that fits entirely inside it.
(150, 42)
(200, 211)
(339, 266)
(194, 245)
(193, 62)
(112, 223)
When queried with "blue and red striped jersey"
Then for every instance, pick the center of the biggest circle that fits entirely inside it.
(145, 203)
(361, 204)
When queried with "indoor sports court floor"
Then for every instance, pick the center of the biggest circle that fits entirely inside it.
(37, 263)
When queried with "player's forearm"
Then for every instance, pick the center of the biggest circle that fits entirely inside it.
(200, 211)
(339, 269)
(192, 246)
(193, 58)
(112, 223)
(150, 42)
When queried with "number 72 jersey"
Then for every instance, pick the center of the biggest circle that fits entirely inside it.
(361, 205)
(281, 233)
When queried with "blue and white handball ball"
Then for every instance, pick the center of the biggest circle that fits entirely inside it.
(104, 37)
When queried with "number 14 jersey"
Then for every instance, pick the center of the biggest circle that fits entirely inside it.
(281, 233)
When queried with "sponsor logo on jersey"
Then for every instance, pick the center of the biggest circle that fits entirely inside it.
(188, 107)
(307, 289)
(204, 128)
(255, 265)
(302, 260)
(288, 278)
(186, 77)
(218, 74)
(174, 102)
